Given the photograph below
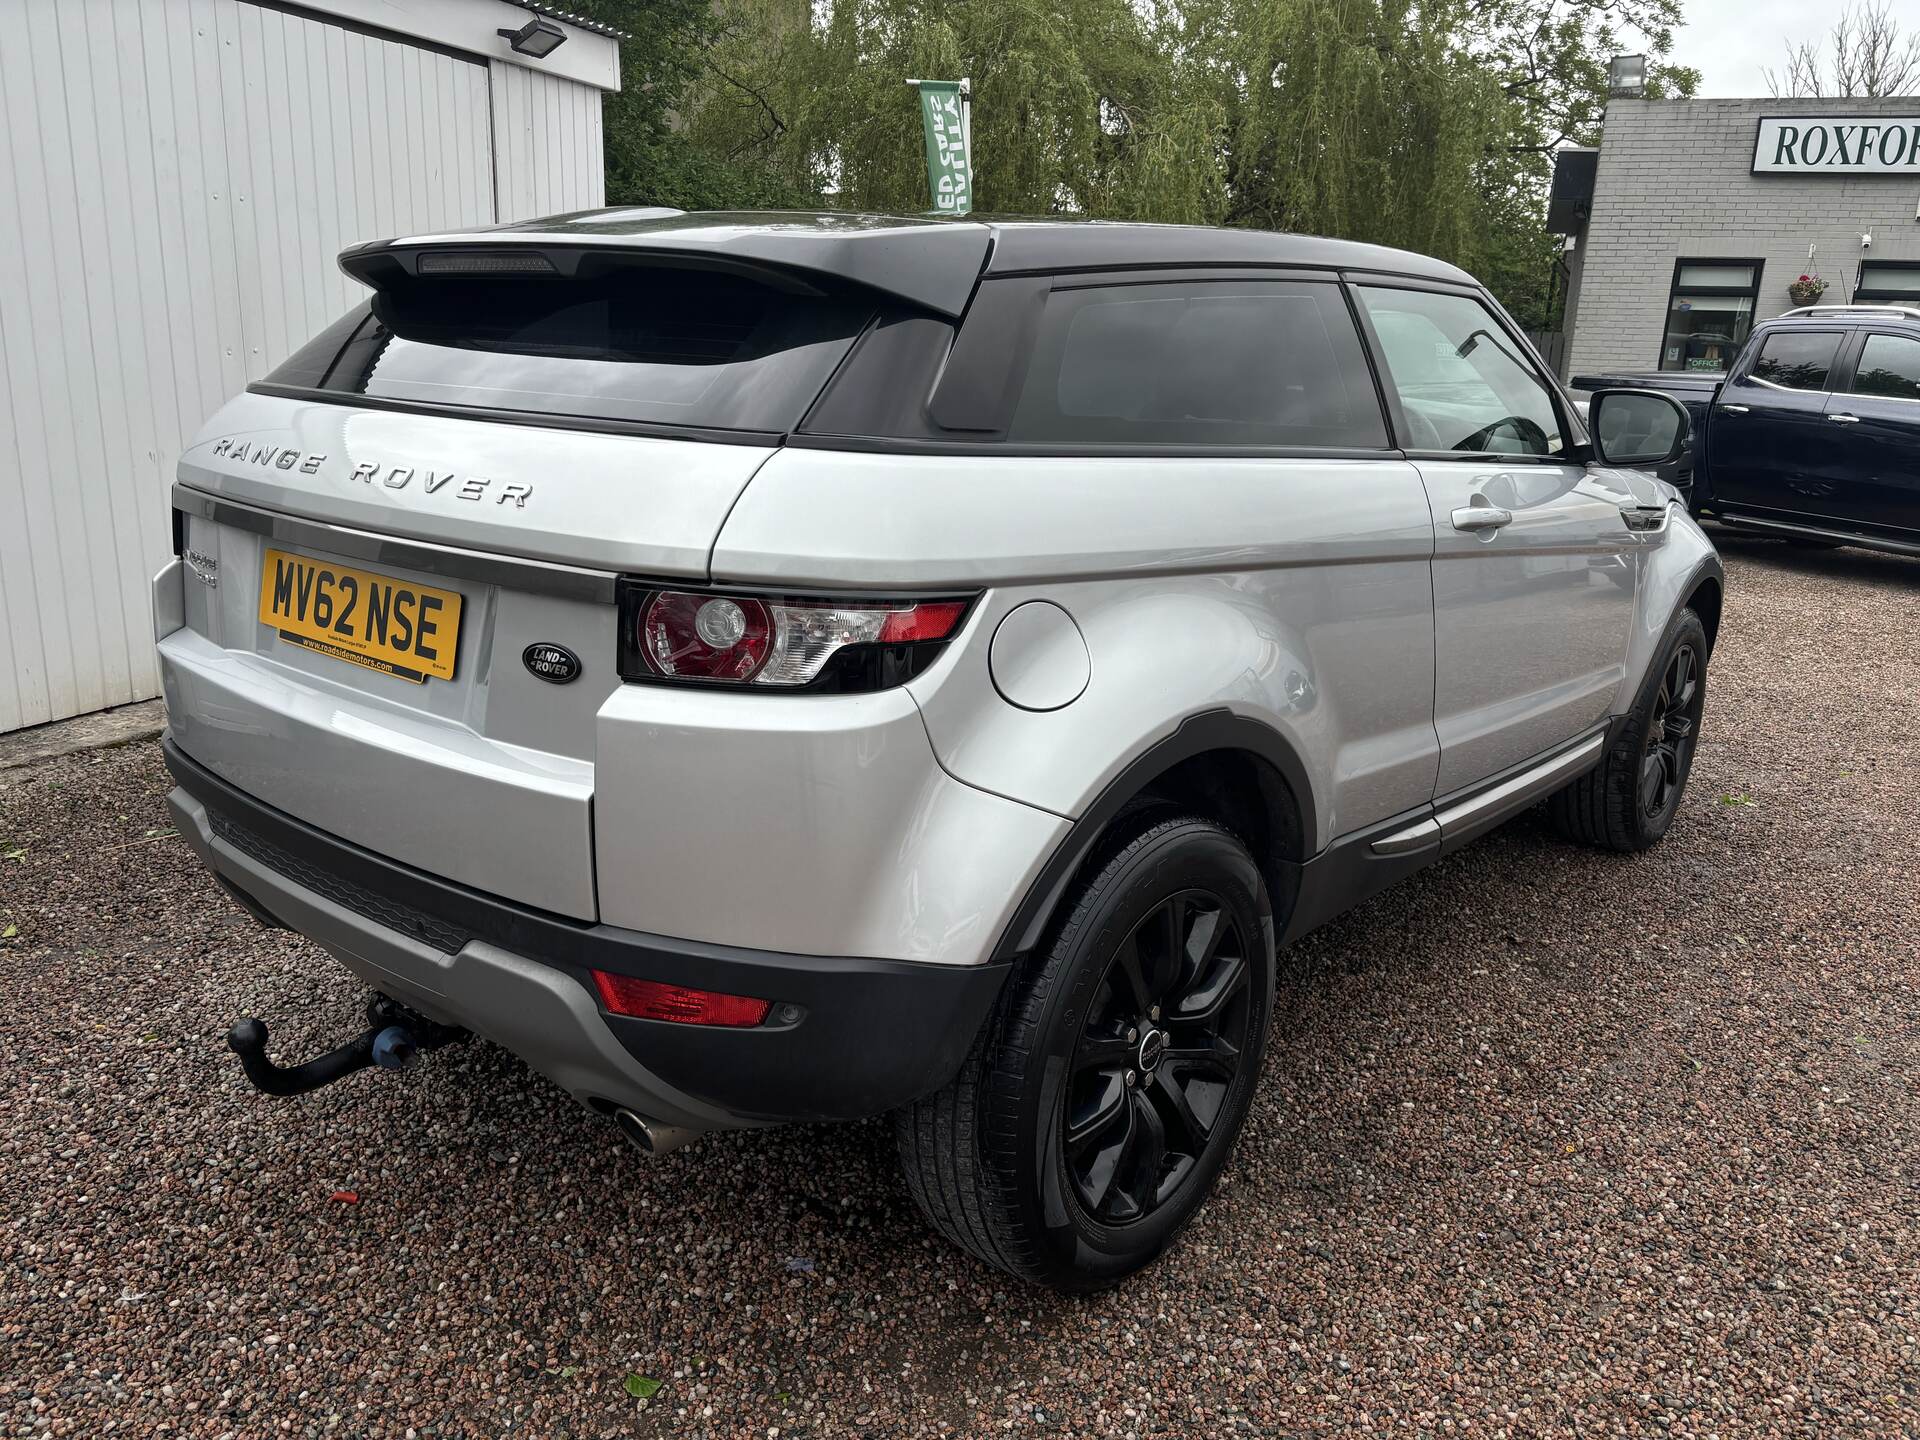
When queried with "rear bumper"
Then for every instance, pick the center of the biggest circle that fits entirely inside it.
(363, 765)
(870, 1034)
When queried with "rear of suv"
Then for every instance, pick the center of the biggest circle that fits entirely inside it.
(803, 667)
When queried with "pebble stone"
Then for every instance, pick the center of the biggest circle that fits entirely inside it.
(1550, 1143)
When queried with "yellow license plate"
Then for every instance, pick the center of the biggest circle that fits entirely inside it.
(393, 626)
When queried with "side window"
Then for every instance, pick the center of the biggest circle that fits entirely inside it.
(1889, 366)
(1206, 362)
(1796, 359)
(1463, 382)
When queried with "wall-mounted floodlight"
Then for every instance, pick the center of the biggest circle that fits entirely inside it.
(1627, 77)
(537, 39)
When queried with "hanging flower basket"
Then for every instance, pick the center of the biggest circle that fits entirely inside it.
(1807, 290)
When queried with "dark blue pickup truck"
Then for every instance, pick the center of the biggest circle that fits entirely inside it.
(1813, 434)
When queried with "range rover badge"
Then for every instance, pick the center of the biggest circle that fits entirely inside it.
(553, 663)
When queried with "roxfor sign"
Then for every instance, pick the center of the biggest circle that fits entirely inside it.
(1837, 145)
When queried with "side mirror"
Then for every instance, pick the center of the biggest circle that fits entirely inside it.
(1641, 429)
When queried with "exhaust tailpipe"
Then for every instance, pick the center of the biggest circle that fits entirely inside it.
(650, 1135)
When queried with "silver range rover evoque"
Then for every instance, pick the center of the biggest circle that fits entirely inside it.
(784, 667)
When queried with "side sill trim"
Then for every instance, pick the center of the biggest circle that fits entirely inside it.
(1423, 835)
(1452, 825)
(543, 577)
(1475, 816)
(1734, 520)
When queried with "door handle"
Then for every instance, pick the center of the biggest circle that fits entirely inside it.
(1844, 419)
(1481, 517)
(1736, 409)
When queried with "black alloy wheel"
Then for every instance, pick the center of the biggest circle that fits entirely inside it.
(1102, 1097)
(1672, 732)
(1156, 1058)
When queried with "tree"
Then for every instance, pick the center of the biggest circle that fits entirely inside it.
(1871, 58)
(1429, 124)
(1073, 109)
(650, 157)
(1552, 62)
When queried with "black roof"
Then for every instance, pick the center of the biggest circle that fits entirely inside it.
(1028, 245)
(931, 261)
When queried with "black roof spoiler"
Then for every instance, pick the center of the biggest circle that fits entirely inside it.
(930, 264)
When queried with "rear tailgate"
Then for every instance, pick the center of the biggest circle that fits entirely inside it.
(570, 497)
(454, 755)
(401, 548)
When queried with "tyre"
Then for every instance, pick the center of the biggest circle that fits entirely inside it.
(1105, 1090)
(1628, 801)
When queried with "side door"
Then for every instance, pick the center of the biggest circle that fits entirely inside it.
(1534, 569)
(1873, 425)
(1769, 443)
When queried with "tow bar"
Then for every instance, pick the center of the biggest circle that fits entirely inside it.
(394, 1035)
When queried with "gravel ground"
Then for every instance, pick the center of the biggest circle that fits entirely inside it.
(1549, 1143)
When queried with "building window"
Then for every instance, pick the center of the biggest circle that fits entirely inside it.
(1709, 313)
(1889, 282)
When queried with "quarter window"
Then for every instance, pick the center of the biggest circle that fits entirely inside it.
(1224, 362)
(1890, 366)
(1709, 313)
(1796, 359)
(1464, 383)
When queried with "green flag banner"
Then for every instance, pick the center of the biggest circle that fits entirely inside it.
(949, 174)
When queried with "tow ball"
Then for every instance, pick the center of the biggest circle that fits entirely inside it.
(394, 1035)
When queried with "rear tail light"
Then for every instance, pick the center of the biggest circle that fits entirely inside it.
(780, 642)
(657, 1000)
(705, 637)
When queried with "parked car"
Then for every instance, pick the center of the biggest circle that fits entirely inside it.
(1814, 433)
(803, 667)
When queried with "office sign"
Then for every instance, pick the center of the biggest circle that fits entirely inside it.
(1837, 145)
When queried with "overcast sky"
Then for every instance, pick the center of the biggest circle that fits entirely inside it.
(1730, 42)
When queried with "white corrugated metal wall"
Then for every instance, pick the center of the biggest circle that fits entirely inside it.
(176, 177)
(547, 144)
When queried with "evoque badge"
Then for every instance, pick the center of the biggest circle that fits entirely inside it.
(203, 568)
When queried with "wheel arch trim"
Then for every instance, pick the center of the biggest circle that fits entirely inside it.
(1708, 575)
(1207, 732)
(1675, 572)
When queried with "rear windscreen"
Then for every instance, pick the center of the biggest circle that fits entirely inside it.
(647, 344)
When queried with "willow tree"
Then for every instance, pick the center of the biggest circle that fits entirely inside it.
(1429, 124)
(1075, 109)
(1550, 58)
(1361, 118)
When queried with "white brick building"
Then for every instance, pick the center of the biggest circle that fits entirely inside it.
(1699, 213)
